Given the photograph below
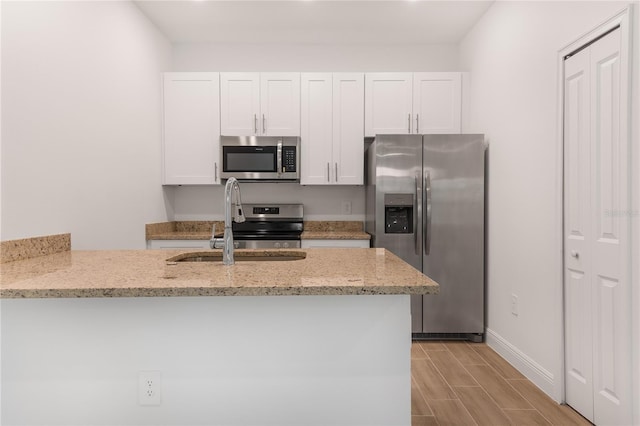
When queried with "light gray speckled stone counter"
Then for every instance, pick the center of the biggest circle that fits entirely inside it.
(145, 273)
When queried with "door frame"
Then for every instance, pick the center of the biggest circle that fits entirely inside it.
(622, 19)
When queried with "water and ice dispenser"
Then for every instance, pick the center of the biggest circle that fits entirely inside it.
(398, 213)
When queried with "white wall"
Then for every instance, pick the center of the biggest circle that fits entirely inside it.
(635, 222)
(511, 54)
(321, 202)
(81, 122)
(314, 57)
(0, 121)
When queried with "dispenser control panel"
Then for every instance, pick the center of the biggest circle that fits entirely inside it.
(398, 213)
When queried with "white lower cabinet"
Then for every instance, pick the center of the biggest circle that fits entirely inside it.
(191, 143)
(335, 243)
(178, 244)
(332, 129)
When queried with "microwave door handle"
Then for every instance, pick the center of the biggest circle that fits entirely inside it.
(279, 158)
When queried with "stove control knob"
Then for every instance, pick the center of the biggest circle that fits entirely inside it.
(277, 245)
(285, 245)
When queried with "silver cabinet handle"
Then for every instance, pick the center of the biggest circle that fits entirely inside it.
(264, 127)
(215, 174)
(279, 168)
(336, 172)
(255, 123)
(409, 123)
(574, 253)
(417, 123)
(327, 172)
(427, 213)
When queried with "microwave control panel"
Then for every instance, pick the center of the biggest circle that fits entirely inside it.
(288, 159)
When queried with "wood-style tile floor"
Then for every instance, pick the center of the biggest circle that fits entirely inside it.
(459, 383)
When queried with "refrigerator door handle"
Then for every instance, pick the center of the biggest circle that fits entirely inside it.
(416, 240)
(427, 213)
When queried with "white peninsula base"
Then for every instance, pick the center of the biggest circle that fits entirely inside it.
(263, 360)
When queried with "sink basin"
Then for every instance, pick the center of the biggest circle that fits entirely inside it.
(240, 256)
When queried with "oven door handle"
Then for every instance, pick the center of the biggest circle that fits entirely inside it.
(279, 158)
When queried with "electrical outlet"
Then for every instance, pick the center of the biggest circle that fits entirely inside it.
(149, 388)
(346, 207)
(514, 305)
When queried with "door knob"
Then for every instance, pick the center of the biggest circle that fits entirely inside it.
(575, 254)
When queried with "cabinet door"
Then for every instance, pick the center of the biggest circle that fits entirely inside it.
(191, 143)
(240, 104)
(280, 104)
(388, 103)
(315, 129)
(348, 128)
(437, 102)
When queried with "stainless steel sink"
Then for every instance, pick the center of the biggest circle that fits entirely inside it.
(240, 256)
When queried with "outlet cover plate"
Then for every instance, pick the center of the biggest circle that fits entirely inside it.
(149, 388)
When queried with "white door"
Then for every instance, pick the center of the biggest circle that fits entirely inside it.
(191, 140)
(280, 104)
(315, 129)
(577, 227)
(240, 104)
(348, 128)
(388, 103)
(597, 247)
(437, 102)
(611, 243)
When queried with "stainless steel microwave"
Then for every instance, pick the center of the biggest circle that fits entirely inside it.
(256, 158)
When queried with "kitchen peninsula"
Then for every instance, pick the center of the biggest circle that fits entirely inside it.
(321, 340)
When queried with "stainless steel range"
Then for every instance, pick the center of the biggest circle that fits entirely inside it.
(270, 226)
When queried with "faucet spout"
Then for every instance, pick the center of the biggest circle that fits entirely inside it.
(231, 189)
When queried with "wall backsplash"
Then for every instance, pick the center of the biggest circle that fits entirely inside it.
(320, 202)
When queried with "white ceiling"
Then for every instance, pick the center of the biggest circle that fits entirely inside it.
(338, 21)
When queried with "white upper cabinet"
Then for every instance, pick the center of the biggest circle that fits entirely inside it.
(280, 104)
(428, 102)
(437, 99)
(191, 143)
(388, 98)
(239, 103)
(316, 116)
(348, 128)
(260, 104)
(332, 129)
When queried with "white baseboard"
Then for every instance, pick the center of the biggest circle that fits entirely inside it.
(533, 371)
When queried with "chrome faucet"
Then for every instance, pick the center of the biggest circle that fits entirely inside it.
(227, 244)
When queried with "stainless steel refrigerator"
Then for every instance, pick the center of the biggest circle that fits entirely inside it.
(425, 203)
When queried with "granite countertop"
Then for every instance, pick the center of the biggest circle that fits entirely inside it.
(201, 230)
(143, 273)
